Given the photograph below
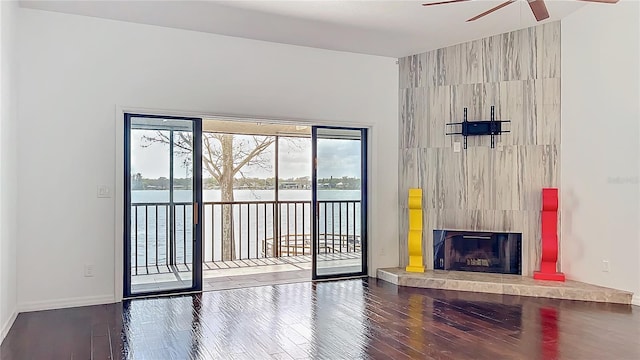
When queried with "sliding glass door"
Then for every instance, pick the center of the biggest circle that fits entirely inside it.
(339, 202)
(163, 197)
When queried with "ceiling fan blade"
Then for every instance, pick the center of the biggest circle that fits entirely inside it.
(539, 9)
(443, 2)
(602, 1)
(491, 10)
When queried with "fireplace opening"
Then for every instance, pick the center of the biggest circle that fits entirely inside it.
(488, 252)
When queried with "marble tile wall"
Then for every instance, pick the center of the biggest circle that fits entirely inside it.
(482, 188)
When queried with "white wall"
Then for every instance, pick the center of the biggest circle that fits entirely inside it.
(8, 164)
(600, 145)
(74, 73)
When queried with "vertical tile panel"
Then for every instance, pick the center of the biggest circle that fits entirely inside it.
(532, 248)
(549, 52)
(532, 107)
(511, 108)
(438, 114)
(416, 68)
(473, 95)
(479, 167)
(504, 179)
(540, 52)
(548, 131)
(511, 56)
(430, 73)
(456, 110)
(403, 72)
(413, 69)
(551, 91)
(441, 70)
(491, 96)
(478, 219)
(404, 229)
(453, 173)
(453, 63)
(426, 68)
(438, 176)
(492, 58)
(538, 168)
(409, 174)
(411, 116)
(530, 177)
(407, 123)
(507, 220)
(456, 106)
(472, 64)
(427, 164)
(528, 53)
(422, 129)
(551, 163)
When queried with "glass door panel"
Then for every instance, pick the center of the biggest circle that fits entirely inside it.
(163, 196)
(339, 202)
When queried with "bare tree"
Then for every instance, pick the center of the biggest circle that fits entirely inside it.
(224, 156)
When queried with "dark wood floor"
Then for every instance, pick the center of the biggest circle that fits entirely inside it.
(347, 319)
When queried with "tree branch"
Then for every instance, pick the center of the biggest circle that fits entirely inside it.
(266, 142)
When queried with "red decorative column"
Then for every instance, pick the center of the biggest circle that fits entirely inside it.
(548, 265)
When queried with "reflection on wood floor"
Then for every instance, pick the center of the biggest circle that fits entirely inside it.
(345, 319)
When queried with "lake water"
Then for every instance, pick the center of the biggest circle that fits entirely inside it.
(253, 223)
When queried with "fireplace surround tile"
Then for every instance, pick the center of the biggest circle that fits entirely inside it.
(481, 188)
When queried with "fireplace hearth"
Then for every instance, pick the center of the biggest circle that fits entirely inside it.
(489, 252)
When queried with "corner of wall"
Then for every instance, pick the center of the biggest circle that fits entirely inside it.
(7, 325)
(8, 161)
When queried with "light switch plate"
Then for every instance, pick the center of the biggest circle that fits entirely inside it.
(104, 191)
(457, 147)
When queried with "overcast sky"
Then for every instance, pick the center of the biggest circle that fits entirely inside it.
(336, 158)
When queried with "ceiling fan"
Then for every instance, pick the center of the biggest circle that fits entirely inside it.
(538, 7)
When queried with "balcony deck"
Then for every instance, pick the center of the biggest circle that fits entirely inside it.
(222, 275)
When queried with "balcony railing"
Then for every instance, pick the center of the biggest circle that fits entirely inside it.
(258, 229)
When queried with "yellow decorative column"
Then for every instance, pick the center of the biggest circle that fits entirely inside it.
(415, 231)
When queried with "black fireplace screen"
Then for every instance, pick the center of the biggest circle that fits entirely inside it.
(477, 251)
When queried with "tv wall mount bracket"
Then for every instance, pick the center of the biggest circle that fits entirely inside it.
(491, 127)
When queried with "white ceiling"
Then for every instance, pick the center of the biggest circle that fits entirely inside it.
(388, 28)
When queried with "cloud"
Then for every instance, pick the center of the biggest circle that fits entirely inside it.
(338, 158)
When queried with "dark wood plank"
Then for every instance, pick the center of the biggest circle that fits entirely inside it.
(330, 320)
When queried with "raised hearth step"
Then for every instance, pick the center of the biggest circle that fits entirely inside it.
(504, 284)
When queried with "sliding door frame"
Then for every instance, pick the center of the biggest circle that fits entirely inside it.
(364, 207)
(196, 284)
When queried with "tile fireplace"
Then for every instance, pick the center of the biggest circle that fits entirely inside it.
(489, 252)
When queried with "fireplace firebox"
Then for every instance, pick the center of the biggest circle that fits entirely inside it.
(490, 252)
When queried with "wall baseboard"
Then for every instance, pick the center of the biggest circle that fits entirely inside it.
(65, 303)
(635, 300)
(7, 325)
